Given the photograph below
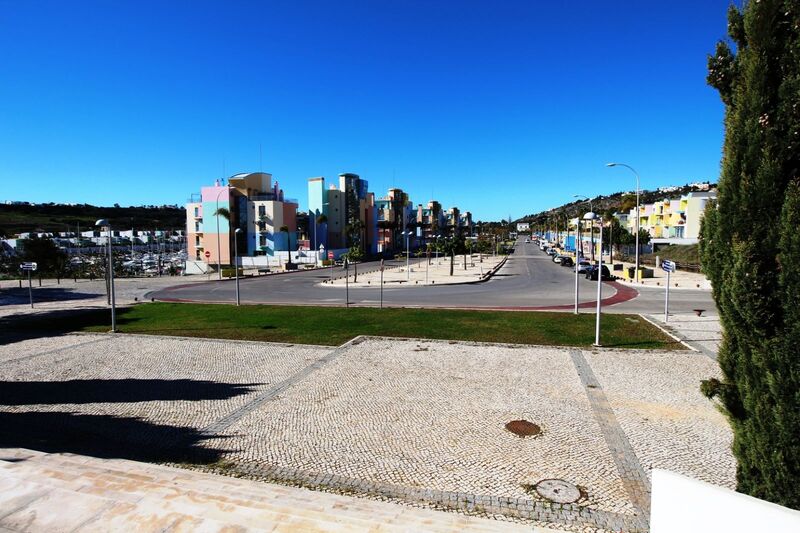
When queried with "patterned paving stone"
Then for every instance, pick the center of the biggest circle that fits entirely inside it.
(657, 401)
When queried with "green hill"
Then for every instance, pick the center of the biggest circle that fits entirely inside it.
(619, 201)
(21, 218)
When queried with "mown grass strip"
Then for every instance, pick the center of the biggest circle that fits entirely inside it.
(335, 325)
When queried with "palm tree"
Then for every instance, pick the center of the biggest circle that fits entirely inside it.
(223, 212)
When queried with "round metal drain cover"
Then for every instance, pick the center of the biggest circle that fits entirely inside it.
(558, 491)
(523, 428)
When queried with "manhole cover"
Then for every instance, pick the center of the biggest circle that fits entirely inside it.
(558, 491)
(523, 428)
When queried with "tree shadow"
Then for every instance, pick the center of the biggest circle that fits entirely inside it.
(23, 326)
(82, 391)
(109, 435)
(106, 437)
(17, 296)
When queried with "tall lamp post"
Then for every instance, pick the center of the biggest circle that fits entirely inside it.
(636, 274)
(592, 217)
(103, 223)
(591, 228)
(408, 274)
(236, 261)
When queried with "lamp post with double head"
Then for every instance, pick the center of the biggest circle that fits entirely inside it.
(591, 228)
(103, 223)
(591, 217)
(636, 272)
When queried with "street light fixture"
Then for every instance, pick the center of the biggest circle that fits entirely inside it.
(587, 200)
(592, 217)
(636, 274)
(103, 223)
(408, 273)
(236, 261)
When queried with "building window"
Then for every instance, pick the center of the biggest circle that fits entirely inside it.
(197, 227)
(197, 241)
(262, 211)
(262, 240)
(196, 211)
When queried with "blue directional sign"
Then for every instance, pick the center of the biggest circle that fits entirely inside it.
(668, 266)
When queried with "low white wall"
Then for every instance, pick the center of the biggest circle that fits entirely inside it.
(196, 267)
(277, 260)
(686, 505)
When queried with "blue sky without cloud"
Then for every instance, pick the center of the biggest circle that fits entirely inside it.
(500, 107)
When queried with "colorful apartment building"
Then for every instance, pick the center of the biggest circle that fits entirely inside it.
(249, 202)
(670, 221)
(395, 215)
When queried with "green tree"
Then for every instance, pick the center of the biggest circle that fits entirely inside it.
(354, 255)
(49, 258)
(750, 246)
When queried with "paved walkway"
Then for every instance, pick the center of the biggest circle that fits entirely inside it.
(116, 495)
(413, 421)
(423, 272)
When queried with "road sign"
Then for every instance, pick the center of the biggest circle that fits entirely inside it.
(668, 267)
(207, 254)
(330, 255)
(28, 266)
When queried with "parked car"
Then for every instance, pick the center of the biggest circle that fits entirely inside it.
(552, 251)
(583, 266)
(557, 258)
(566, 261)
(592, 273)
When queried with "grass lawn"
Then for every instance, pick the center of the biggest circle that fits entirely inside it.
(336, 325)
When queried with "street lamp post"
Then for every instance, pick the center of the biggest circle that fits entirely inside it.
(104, 223)
(236, 261)
(636, 274)
(592, 217)
(408, 255)
(591, 227)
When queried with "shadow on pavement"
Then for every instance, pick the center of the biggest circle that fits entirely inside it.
(108, 435)
(81, 391)
(26, 325)
(17, 296)
(105, 436)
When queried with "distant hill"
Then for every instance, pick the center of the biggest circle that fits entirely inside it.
(21, 218)
(617, 202)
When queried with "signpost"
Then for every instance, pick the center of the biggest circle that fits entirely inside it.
(381, 283)
(208, 254)
(346, 282)
(30, 267)
(668, 267)
(330, 258)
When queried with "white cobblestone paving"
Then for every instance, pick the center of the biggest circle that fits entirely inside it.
(409, 420)
(657, 401)
(179, 363)
(432, 414)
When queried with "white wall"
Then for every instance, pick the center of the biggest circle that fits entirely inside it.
(686, 505)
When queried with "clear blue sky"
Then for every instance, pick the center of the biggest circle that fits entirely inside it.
(500, 107)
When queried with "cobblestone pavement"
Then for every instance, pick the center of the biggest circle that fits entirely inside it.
(81, 294)
(704, 333)
(422, 422)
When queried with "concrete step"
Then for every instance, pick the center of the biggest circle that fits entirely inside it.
(116, 494)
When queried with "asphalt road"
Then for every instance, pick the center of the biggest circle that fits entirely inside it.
(528, 280)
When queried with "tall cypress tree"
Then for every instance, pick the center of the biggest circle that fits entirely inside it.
(750, 245)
